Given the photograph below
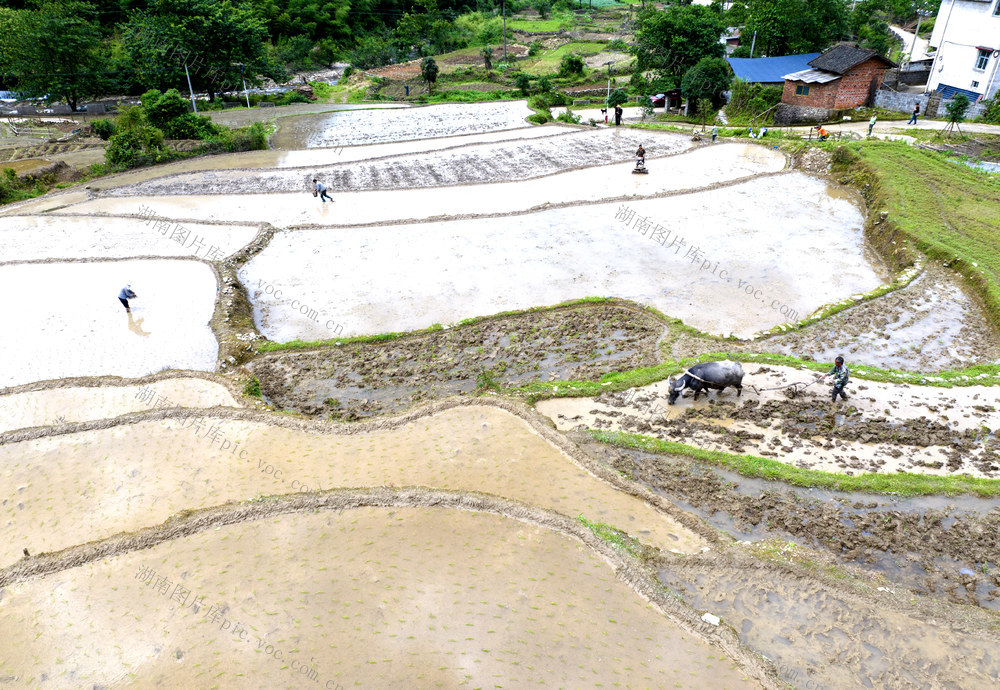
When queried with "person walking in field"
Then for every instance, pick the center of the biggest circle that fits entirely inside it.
(871, 124)
(125, 295)
(841, 377)
(319, 189)
(618, 115)
(715, 132)
(913, 115)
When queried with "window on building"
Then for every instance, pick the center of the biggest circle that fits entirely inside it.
(801, 90)
(983, 59)
(975, 84)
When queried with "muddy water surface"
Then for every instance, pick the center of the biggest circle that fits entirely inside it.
(821, 638)
(367, 597)
(699, 168)
(84, 403)
(31, 238)
(378, 126)
(474, 163)
(454, 270)
(64, 319)
(71, 488)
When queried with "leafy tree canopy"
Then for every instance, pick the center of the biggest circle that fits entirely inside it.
(671, 41)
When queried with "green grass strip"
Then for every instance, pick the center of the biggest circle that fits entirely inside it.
(613, 536)
(900, 483)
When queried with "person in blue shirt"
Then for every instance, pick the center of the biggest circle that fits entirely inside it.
(125, 295)
(841, 377)
(320, 190)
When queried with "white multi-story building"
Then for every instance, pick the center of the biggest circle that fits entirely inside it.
(967, 38)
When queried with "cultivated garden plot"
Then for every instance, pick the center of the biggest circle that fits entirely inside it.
(701, 168)
(64, 319)
(361, 127)
(722, 261)
(367, 597)
(35, 238)
(75, 487)
(71, 404)
(468, 164)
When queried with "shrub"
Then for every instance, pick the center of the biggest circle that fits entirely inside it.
(161, 108)
(543, 7)
(544, 84)
(570, 64)
(991, 113)
(569, 118)
(535, 48)
(617, 97)
(290, 97)
(523, 82)
(134, 147)
(348, 71)
(103, 128)
(539, 118)
(957, 108)
(617, 45)
(190, 126)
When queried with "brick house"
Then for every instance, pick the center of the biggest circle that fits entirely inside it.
(843, 77)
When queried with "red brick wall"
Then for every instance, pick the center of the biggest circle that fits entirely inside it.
(855, 86)
(820, 95)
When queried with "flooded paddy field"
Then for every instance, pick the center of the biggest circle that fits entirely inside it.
(941, 546)
(356, 128)
(476, 541)
(822, 635)
(93, 483)
(65, 320)
(456, 269)
(36, 238)
(505, 600)
(699, 168)
(933, 324)
(366, 379)
(31, 406)
(467, 164)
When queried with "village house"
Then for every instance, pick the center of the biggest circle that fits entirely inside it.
(967, 38)
(843, 77)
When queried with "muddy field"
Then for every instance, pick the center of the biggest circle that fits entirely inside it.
(558, 560)
(941, 546)
(933, 324)
(515, 160)
(367, 379)
(359, 127)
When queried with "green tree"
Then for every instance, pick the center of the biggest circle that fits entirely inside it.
(543, 7)
(56, 51)
(957, 108)
(429, 71)
(788, 27)
(211, 37)
(488, 59)
(671, 41)
(617, 97)
(136, 142)
(870, 23)
(707, 80)
(523, 82)
(570, 64)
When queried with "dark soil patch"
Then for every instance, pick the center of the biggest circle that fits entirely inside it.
(947, 551)
(361, 380)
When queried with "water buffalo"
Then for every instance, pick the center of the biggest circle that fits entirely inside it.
(701, 377)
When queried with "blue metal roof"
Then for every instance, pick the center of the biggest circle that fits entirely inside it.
(948, 92)
(771, 69)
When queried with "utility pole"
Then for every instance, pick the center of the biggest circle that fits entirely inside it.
(194, 106)
(753, 43)
(245, 92)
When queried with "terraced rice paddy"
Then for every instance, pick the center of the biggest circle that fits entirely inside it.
(225, 489)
